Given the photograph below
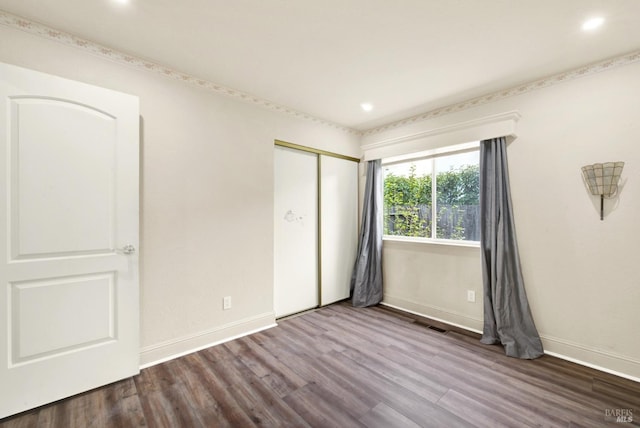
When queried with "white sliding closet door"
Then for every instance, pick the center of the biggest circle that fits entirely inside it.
(296, 231)
(339, 224)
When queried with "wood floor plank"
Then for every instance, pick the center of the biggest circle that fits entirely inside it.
(416, 408)
(24, 420)
(411, 337)
(398, 374)
(305, 326)
(253, 396)
(56, 415)
(453, 379)
(170, 407)
(213, 394)
(349, 367)
(309, 367)
(383, 416)
(477, 413)
(157, 377)
(311, 344)
(356, 400)
(266, 366)
(515, 397)
(591, 395)
(115, 405)
(312, 405)
(618, 394)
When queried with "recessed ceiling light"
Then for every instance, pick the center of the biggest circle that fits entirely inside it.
(593, 23)
(121, 1)
(366, 106)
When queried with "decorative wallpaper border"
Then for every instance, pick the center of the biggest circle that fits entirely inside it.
(42, 30)
(586, 70)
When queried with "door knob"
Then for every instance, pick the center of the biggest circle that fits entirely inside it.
(127, 249)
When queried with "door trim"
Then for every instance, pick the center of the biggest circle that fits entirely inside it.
(316, 151)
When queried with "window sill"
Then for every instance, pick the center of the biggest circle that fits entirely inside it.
(430, 241)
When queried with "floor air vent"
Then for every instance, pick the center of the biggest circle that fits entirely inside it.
(438, 329)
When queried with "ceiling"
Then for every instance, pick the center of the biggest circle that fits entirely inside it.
(326, 57)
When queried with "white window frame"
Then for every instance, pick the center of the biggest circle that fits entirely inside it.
(432, 155)
(436, 135)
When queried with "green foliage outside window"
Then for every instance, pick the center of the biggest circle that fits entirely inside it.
(408, 204)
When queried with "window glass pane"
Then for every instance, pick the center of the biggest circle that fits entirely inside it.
(407, 199)
(458, 196)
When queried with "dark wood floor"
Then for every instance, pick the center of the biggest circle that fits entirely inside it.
(345, 367)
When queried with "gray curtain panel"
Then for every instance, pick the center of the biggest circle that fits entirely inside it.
(507, 317)
(366, 279)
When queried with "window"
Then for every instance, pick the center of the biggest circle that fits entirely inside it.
(443, 186)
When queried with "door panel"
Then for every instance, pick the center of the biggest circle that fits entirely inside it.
(68, 200)
(296, 231)
(37, 330)
(42, 221)
(339, 217)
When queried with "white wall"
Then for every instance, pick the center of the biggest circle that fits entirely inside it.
(582, 275)
(206, 195)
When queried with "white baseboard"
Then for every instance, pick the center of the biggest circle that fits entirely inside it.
(604, 361)
(170, 349)
(608, 362)
(435, 313)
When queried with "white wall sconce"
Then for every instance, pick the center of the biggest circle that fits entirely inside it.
(602, 179)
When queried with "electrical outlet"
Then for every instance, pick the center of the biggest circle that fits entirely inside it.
(471, 296)
(226, 303)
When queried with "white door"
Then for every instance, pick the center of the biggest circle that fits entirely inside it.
(68, 205)
(296, 231)
(339, 231)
